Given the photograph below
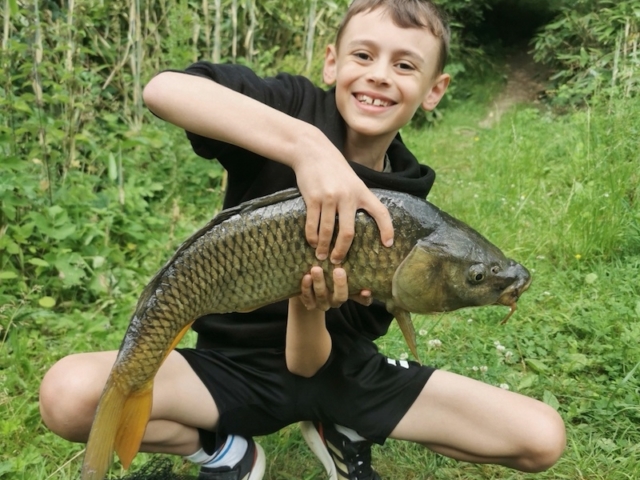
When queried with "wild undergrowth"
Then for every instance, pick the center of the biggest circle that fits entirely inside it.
(557, 192)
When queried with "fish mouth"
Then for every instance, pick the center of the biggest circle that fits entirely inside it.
(511, 294)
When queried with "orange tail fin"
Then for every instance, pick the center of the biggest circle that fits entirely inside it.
(120, 423)
(132, 424)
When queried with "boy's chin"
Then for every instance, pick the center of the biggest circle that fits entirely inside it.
(374, 131)
(371, 127)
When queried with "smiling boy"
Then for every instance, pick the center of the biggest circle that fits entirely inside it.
(240, 381)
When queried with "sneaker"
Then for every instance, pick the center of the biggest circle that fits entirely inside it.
(250, 467)
(343, 459)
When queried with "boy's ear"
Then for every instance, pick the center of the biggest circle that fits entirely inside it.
(330, 69)
(436, 92)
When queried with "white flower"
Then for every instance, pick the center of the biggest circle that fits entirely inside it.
(484, 369)
(435, 343)
(496, 343)
(508, 354)
(474, 368)
(422, 332)
(501, 348)
(504, 386)
(404, 356)
(470, 320)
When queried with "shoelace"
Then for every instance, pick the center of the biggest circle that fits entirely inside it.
(358, 455)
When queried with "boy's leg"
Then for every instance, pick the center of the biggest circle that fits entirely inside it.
(71, 389)
(472, 421)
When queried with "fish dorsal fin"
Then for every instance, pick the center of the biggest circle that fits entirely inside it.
(281, 196)
(224, 215)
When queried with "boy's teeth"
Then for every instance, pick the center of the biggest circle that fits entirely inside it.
(370, 101)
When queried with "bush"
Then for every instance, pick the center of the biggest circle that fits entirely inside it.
(593, 44)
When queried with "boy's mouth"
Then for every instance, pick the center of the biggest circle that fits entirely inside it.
(376, 102)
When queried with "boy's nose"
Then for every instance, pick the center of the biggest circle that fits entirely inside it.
(379, 74)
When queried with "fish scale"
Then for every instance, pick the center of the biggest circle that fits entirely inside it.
(256, 254)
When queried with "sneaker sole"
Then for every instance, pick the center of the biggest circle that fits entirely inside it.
(317, 446)
(257, 472)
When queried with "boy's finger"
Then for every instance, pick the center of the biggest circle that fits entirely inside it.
(340, 287)
(325, 230)
(382, 217)
(320, 289)
(346, 232)
(311, 225)
(306, 292)
(364, 298)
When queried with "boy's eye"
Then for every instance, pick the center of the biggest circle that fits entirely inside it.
(405, 66)
(362, 55)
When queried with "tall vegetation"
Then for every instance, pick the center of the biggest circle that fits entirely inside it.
(72, 146)
(594, 45)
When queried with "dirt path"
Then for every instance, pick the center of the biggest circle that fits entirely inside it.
(525, 81)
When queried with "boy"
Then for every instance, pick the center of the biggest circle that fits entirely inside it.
(240, 381)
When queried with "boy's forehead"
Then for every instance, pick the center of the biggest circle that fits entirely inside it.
(358, 29)
(357, 24)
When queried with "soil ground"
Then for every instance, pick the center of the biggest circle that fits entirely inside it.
(526, 82)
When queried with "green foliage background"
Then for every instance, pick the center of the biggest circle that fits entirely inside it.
(95, 193)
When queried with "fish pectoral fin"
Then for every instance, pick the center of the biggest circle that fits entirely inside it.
(132, 424)
(403, 318)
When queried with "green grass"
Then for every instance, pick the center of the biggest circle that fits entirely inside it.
(558, 193)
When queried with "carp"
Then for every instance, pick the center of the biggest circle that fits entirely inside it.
(256, 254)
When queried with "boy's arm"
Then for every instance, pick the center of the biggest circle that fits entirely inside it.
(326, 181)
(308, 344)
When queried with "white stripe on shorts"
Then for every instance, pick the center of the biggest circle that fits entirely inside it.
(395, 363)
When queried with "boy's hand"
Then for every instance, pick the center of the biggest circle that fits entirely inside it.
(328, 184)
(331, 189)
(316, 295)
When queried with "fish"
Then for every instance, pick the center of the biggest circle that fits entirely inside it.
(256, 254)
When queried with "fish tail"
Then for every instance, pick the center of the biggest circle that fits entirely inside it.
(119, 425)
(133, 423)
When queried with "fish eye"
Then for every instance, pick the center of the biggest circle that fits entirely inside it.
(495, 269)
(477, 274)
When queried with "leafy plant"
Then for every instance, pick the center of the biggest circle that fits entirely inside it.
(594, 46)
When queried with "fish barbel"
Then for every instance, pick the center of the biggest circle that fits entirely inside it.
(256, 254)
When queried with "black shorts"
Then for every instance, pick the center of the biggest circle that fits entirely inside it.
(256, 395)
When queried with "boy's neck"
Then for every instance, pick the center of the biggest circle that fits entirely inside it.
(368, 151)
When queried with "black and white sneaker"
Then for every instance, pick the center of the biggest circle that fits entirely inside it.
(343, 459)
(250, 467)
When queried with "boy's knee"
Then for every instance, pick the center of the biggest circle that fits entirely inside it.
(546, 442)
(69, 393)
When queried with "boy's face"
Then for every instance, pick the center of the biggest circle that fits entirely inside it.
(383, 73)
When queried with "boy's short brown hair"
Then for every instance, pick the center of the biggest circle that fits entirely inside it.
(407, 14)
